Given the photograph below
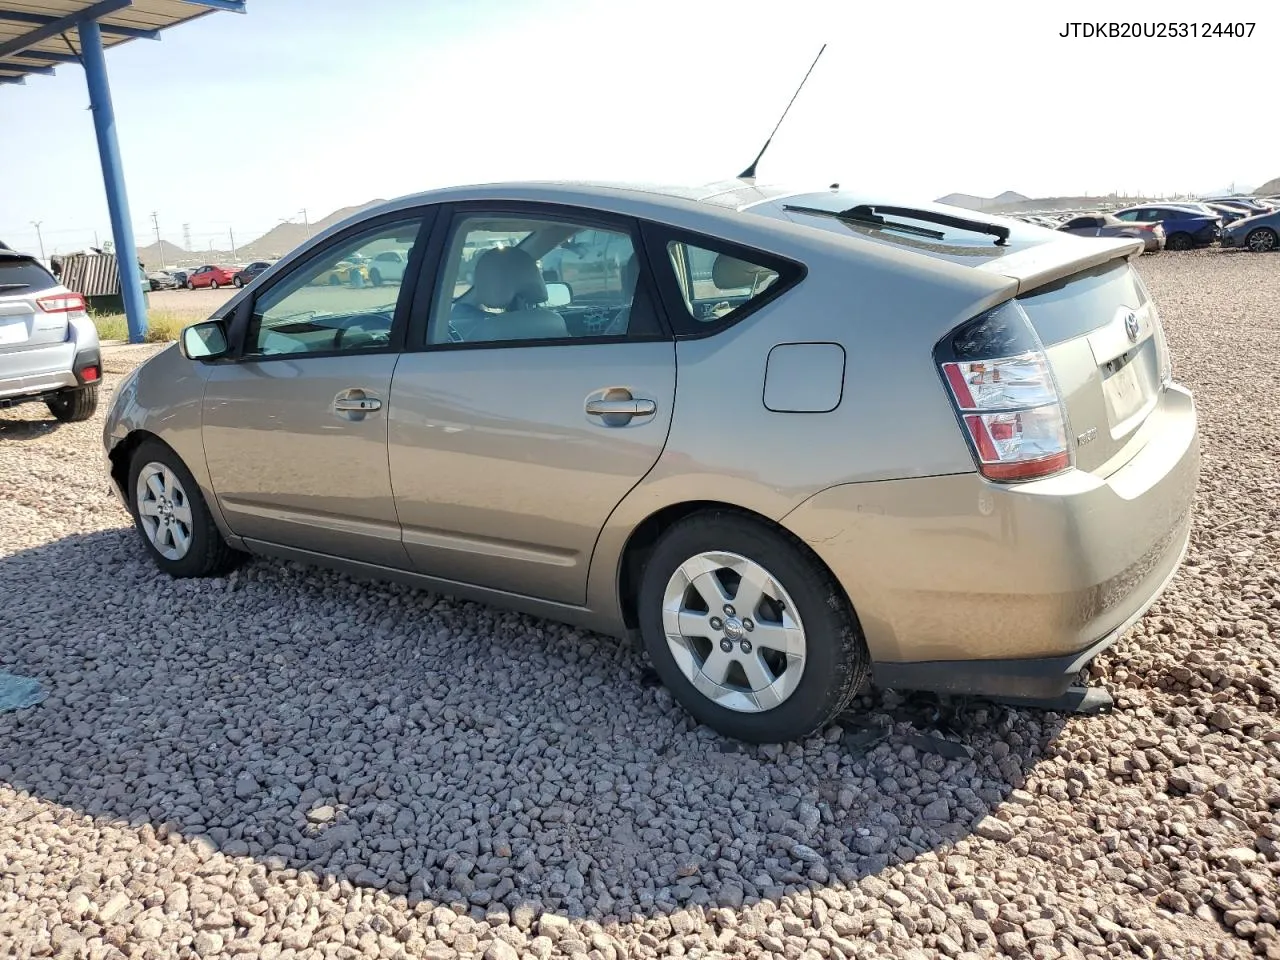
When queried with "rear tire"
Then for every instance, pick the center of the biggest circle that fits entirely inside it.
(206, 554)
(375, 277)
(802, 603)
(238, 282)
(74, 404)
(1179, 241)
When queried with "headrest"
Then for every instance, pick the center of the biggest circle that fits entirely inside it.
(504, 274)
(730, 273)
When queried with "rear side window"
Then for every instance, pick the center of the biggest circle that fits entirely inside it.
(23, 275)
(715, 285)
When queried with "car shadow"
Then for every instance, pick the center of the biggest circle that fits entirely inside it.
(16, 427)
(454, 753)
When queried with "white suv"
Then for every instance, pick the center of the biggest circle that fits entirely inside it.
(48, 344)
(388, 267)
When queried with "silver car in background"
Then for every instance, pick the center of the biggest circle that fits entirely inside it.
(48, 344)
(792, 440)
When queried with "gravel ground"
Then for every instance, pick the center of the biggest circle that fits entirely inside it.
(292, 764)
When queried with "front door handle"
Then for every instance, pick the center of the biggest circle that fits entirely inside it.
(616, 407)
(631, 408)
(357, 405)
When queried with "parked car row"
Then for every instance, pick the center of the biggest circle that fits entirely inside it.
(1247, 222)
(210, 275)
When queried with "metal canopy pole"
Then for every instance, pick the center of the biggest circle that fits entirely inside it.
(104, 123)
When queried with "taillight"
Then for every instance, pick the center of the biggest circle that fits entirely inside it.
(61, 303)
(90, 373)
(998, 375)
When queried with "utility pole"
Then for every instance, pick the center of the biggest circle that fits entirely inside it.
(186, 236)
(305, 222)
(39, 236)
(232, 234)
(155, 221)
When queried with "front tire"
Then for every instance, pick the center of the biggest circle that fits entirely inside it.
(172, 517)
(74, 404)
(190, 285)
(1262, 240)
(749, 631)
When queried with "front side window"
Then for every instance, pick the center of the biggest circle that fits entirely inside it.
(714, 285)
(331, 302)
(514, 279)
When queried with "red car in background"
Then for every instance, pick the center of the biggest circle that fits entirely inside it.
(210, 276)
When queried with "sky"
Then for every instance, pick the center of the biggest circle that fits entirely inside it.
(236, 122)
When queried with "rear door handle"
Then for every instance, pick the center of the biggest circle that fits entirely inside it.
(357, 405)
(628, 408)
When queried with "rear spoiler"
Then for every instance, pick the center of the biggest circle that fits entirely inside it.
(1047, 262)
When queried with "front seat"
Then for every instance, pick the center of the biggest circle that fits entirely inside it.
(507, 279)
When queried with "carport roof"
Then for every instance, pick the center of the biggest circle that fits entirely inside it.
(38, 35)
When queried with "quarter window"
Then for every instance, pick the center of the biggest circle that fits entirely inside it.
(333, 302)
(715, 285)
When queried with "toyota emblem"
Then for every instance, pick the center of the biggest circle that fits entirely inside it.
(1132, 327)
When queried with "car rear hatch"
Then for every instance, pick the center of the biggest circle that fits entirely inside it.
(1103, 340)
(33, 308)
(1100, 330)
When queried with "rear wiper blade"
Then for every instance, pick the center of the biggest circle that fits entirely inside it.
(13, 286)
(871, 214)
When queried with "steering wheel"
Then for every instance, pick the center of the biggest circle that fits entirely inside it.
(375, 332)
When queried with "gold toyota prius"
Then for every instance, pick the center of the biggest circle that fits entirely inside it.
(792, 440)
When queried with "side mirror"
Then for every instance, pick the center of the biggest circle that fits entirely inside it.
(205, 341)
(559, 295)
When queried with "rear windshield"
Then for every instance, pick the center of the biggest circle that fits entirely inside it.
(1081, 303)
(23, 275)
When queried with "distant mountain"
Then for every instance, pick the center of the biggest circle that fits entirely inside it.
(970, 202)
(282, 238)
(276, 242)
(1269, 188)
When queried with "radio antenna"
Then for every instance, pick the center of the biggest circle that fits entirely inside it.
(750, 172)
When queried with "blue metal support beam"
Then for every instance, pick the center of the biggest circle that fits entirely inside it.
(52, 26)
(234, 6)
(104, 123)
(25, 69)
(45, 56)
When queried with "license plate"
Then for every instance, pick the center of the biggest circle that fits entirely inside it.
(13, 330)
(1124, 389)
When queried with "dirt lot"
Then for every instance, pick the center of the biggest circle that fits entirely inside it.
(191, 305)
(292, 764)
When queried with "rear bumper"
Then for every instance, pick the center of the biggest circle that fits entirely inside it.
(965, 586)
(36, 371)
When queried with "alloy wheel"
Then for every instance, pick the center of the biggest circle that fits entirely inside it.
(164, 510)
(734, 631)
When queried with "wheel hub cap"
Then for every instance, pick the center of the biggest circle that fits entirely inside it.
(734, 632)
(163, 511)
